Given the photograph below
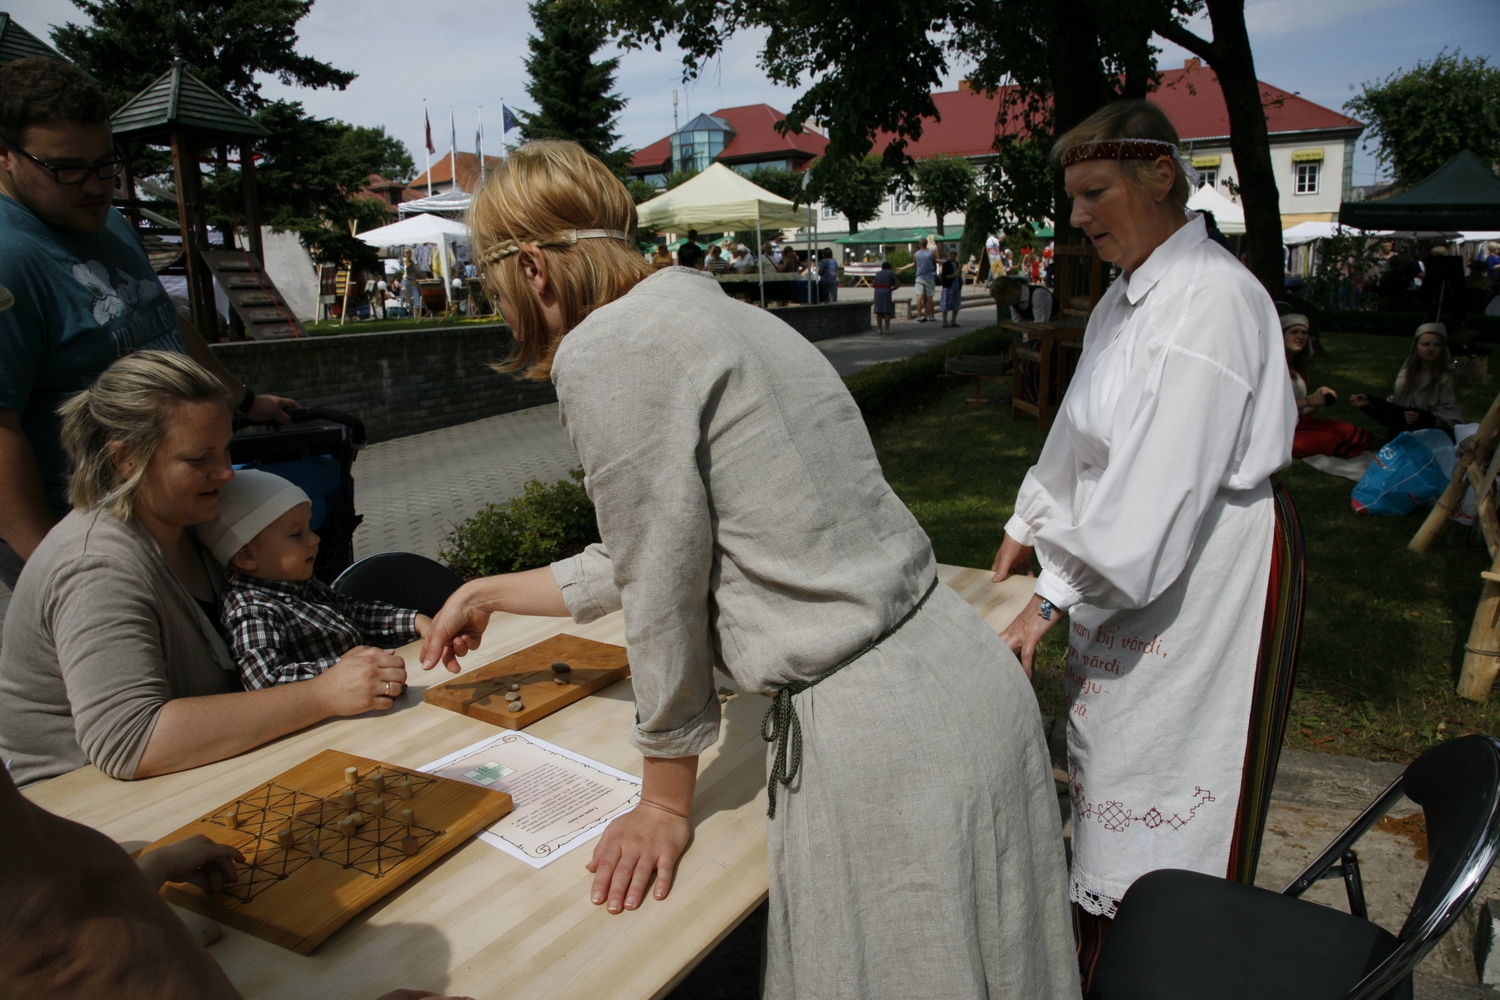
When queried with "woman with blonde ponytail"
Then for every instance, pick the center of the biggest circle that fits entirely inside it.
(914, 841)
(110, 654)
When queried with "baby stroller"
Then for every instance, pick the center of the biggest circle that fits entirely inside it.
(319, 459)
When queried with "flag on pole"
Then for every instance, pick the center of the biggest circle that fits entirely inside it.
(453, 148)
(428, 122)
(479, 143)
(509, 120)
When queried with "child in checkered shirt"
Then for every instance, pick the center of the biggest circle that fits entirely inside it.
(281, 622)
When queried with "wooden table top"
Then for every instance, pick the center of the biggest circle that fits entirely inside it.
(480, 922)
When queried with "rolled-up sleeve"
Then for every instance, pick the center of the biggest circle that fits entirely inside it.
(587, 582)
(109, 649)
(635, 418)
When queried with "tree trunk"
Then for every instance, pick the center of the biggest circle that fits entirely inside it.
(1230, 57)
(1078, 89)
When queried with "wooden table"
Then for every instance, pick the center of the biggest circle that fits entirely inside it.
(480, 922)
(1052, 351)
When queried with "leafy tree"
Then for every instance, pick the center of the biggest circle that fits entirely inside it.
(573, 94)
(227, 42)
(677, 178)
(1421, 117)
(639, 190)
(780, 181)
(942, 184)
(853, 188)
(371, 145)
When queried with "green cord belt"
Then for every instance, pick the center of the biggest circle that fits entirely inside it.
(781, 726)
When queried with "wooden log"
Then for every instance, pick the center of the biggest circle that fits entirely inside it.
(1481, 447)
(1485, 508)
(1482, 651)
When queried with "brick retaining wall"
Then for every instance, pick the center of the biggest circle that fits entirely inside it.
(408, 381)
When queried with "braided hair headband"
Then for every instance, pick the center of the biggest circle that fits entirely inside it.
(1130, 149)
(565, 238)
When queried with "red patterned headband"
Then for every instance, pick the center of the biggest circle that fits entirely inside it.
(1129, 149)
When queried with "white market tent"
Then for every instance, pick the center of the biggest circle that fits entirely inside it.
(718, 200)
(416, 230)
(1229, 216)
(449, 201)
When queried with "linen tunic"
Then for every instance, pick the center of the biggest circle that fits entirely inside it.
(746, 525)
(1151, 513)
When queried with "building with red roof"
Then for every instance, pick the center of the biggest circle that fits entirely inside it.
(442, 175)
(741, 138)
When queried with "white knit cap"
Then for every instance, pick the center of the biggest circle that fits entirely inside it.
(1294, 319)
(248, 504)
(1438, 328)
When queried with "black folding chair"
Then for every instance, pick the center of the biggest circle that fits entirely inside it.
(1181, 935)
(404, 579)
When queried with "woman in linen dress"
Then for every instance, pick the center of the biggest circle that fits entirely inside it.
(1151, 512)
(746, 526)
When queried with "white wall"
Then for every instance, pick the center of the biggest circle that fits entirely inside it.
(1330, 193)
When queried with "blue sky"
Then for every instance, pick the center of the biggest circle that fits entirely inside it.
(468, 55)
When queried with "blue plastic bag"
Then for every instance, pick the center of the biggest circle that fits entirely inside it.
(1409, 472)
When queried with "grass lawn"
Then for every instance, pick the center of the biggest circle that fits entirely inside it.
(1384, 628)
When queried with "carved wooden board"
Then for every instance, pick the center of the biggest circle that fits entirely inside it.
(295, 896)
(480, 694)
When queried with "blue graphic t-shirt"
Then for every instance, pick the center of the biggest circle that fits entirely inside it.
(81, 301)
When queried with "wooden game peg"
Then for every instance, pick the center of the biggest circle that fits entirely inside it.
(403, 788)
(351, 799)
(407, 819)
(310, 842)
(410, 846)
(351, 776)
(232, 820)
(377, 808)
(215, 880)
(284, 837)
(346, 826)
(377, 782)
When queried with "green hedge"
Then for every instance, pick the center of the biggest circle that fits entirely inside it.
(894, 388)
(537, 528)
(1396, 324)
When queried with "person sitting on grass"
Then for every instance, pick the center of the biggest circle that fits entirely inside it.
(1426, 390)
(282, 623)
(1316, 435)
(885, 283)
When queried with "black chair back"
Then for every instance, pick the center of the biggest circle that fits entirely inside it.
(404, 579)
(1457, 784)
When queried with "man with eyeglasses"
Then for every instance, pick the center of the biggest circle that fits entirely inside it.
(76, 289)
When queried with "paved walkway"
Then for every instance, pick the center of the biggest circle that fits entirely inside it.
(412, 490)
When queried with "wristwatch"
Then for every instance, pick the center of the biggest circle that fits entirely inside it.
(248, 401)
(1046, 609)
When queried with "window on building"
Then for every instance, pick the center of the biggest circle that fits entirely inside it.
(901, 202)
(1307, 177)
(829, 213)
(1208, 178)
(699, 142)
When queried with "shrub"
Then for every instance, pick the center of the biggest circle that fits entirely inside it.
(893, 388)
(542, 525)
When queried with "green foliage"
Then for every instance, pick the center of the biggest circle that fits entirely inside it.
(1422, 117)
(780, 181)
(542, 525)
(677, 178)
(573, 93)
(639, 190)
(1396, 324)
(943, 185)
(854, 188)
(898, 258)
(1342, 261)
(229, 43)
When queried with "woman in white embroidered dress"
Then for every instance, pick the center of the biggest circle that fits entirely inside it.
(1151, 514)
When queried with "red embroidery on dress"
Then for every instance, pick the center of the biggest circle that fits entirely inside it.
(1116, 818)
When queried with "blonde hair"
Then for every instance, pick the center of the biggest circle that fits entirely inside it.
(1128, 120)
(130, 403)
(542, 190)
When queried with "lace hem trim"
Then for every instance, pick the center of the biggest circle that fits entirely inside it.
(1092, 902)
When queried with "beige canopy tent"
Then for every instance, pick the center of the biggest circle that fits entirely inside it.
(1229, 216)
(718, 200)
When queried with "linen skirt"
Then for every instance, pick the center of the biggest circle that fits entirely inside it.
(919, 851)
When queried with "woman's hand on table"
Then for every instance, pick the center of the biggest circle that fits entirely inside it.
(364, 678)
(1023, 634)
(649, 838)
(1012, 559)
(189, 860)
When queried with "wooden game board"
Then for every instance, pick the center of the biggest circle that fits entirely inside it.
(296, 896)
(480, 694)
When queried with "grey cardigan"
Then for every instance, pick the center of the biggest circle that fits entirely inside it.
(99, 636)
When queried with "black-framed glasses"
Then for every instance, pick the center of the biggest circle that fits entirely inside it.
(106, 170)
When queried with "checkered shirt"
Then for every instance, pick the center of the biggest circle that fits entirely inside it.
(285, 631)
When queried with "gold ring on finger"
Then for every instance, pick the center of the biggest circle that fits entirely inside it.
(387, 689)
